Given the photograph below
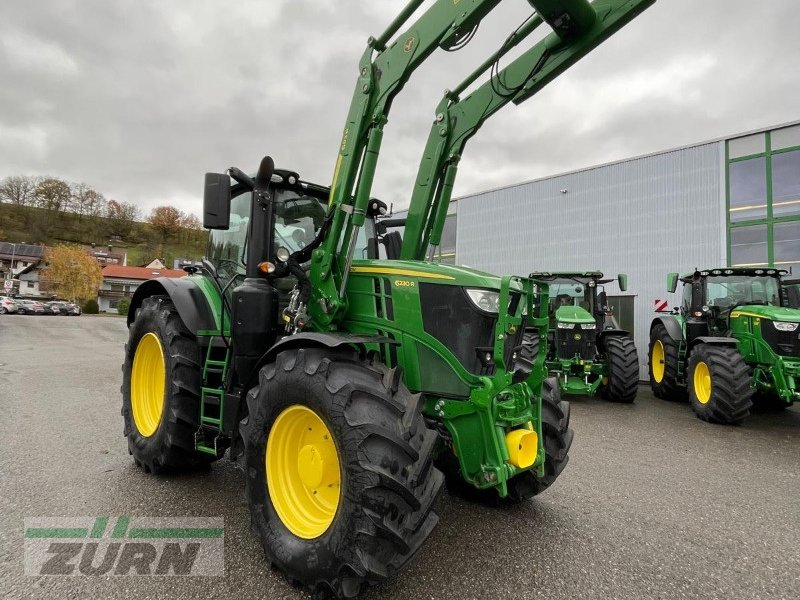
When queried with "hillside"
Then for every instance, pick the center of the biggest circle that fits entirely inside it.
(140, 240)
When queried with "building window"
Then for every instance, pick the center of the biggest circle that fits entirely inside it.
(763, 191)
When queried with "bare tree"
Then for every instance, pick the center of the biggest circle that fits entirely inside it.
(190, 221)
(18, 189)
(121, 216)
(86, 200)
(52, 194)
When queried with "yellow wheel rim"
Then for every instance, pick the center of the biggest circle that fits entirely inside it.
(657, 361)
(148, 378)
(303, 472)
(702, 382)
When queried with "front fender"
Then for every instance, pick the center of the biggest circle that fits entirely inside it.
(714, 341)
(607, 333)
(314, 339)
(189, 298)
(671, 324)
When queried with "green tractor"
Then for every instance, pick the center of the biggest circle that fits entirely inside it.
(340, 381)
(586, 355)
(732, 342)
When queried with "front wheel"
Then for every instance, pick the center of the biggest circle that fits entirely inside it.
(719, 384)
(621, 380)
(339, 474)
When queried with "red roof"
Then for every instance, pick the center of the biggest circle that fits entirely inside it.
(139, 272)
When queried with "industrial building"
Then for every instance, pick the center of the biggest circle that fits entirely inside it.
(728, 201)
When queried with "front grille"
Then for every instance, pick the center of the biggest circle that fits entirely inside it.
(575, 342)
(450, 317)
(785, 343)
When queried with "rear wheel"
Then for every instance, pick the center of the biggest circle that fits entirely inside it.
(622, 370)
(339, 475)
(719, 384)
(663, 365)
(161, 389)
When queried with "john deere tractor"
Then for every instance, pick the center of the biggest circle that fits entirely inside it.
(342, 381)
(582, 352)
(732, 342)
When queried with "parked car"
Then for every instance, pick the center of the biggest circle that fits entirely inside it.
(61, 307)
(52, 308)
(29, 307)
(7, 305)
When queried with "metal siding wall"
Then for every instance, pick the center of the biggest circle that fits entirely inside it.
(644, 217)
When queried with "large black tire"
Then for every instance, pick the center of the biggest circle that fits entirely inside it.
(730, 386)
(530, 345)
(388, 482)
(622, 370)
(557, 441)
(171, 446)
(668, 387)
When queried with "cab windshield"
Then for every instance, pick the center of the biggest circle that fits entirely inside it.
(725, 292)
(571, 292)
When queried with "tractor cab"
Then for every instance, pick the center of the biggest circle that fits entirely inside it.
(578, 307)
(299, 212)
(791, 292)
(710, 298)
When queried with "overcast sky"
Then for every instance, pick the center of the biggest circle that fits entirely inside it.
(140, 97)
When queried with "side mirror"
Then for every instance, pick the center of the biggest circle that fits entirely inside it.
(217, 201)
(622, 278)
(672, 282)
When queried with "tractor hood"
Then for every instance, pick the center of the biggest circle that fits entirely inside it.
(573, 314)
(429, 272)
(773, 313)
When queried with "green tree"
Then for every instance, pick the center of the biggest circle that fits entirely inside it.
(123, 306)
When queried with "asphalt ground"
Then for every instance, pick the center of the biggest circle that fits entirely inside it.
(653, 504)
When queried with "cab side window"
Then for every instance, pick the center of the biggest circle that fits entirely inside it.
(686, 300)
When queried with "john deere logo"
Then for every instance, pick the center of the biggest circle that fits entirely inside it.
(409, 44)
(103, 546)
(577, 336)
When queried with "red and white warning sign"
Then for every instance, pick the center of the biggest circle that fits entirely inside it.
(661, 304)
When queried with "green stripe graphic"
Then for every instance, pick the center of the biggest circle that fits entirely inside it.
(175, 532)
(121, 527)
(100, 524)
(56, 532)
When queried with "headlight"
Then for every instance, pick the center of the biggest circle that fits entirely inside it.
(562, 325)
(487, 300)
(783, 326)
(587, 325)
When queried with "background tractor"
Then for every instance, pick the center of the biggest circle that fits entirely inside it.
(342, 381)
(586, 355)
(731, 342)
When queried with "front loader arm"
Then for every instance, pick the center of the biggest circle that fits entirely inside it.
(383, 71)
(458, 120)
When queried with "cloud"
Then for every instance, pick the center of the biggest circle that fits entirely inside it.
(140, 98)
